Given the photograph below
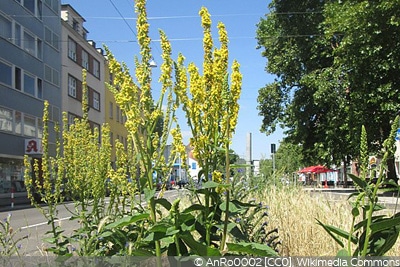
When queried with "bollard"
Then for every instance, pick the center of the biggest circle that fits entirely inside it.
(12, 197)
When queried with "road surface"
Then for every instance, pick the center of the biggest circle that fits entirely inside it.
(30, 222)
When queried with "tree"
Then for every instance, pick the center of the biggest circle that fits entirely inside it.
(335, 63)
(369, 53)
(294, 45)
(288, 158)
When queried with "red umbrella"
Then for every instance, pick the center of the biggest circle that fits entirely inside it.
(315, 169)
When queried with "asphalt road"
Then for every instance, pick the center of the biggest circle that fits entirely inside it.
(29, 221)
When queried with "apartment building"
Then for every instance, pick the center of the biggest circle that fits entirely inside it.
(78, 54)
(114, 117)
(30, 72)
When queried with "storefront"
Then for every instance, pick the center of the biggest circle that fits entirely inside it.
(12, 186)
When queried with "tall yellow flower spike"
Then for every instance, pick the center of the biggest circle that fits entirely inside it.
(212, 109)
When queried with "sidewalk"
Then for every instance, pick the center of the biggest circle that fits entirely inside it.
(390, 198)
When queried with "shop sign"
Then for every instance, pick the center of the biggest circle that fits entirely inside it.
(33, 146)
(372, 161)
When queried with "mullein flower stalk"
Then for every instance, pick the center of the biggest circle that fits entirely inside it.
(212, 110)
(149, 122)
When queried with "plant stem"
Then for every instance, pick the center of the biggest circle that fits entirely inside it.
(371, 200)
(227, 200)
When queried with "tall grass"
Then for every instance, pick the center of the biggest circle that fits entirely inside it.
(294, 212)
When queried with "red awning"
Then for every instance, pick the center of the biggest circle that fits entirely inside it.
(316, 169)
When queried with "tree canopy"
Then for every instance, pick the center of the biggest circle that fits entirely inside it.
(335, 64)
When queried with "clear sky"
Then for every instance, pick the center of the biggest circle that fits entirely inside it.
(112, 22)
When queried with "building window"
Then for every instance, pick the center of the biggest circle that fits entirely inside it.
(85, 59)
(40, 128)
(17, 35)
(71, 49)
(51, 75)
(51, 38)
(29, 84)
(72, 86)
(194, 165)
(29, 43)
(71, 119)
(56, 77)
(39, 8)
(111, 111)
(53, 4)
(5, 28)
(29, 126)
(6, 120)
(39, 88)
(18, 122)
(5, 74)
(75, 25)
(30, 5)
(39, 48)
(96, 68)
(117, 110)
(18, 78)
(96, 100)
(48, 73)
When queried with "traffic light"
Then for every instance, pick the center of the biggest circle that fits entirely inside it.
(273, 149)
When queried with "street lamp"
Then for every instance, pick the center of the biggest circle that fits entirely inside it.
(152, 63)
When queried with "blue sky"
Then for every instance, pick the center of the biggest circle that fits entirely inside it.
(107, 22)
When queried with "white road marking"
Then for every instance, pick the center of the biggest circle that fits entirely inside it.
(43, 223)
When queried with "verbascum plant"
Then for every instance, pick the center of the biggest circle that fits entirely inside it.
(149, 122)
(370, 234)
(44, 180)
(211, 108)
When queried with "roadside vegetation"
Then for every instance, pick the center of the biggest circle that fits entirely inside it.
(229, 214)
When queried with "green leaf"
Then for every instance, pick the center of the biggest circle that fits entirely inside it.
(385, 224)
(244, 204)
(389, 238)
(343, 253)
(106, 234)
(166, 241)
(154, 236)
(194, 207)
(149, 193)
(360, 182)
(159, 227)
(231, 206)
(211, 184)
(172, 231)
(251, 249)
(164, 202)
(197, 247)
(127, 220)
(334, 232)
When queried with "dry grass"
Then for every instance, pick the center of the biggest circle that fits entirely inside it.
(294, 213)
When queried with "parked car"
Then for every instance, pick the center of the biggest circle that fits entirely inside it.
(182, 182)
(19, 194)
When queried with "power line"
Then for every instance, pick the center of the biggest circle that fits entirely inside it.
(126, 22)
(183, 16)
(120, 14)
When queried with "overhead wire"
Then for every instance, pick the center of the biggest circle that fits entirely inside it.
(126, 22)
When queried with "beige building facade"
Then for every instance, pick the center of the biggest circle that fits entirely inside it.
(78, 54)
